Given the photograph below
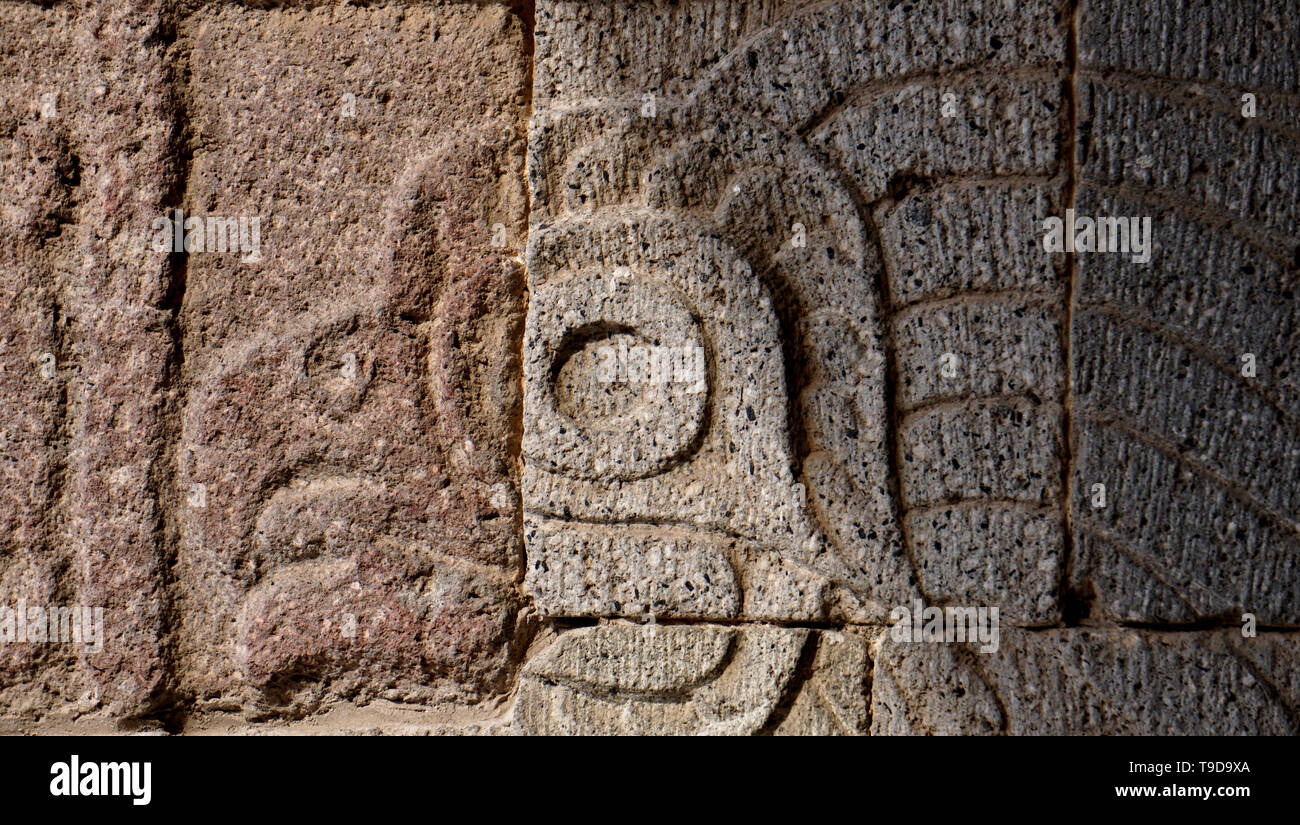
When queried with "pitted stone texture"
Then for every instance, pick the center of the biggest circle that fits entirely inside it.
(1212, 53)
(293, 481)
(1126, 127)
(1007, 556)
(768, 128)
(834, 699)
(38, 195)
(576, 426)
(86, 151)
(1185, 369)
(590, 569)
(695, 679)
(962, 239)
(978, 334)
(987, 449)
(979, 347)
(1000, 125)
(643, 571)
(813, 51)
(350, 396)
(1241, 42)
(722, 468)
(1094, 682)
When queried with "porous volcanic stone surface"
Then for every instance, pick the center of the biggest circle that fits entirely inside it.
(623, 366)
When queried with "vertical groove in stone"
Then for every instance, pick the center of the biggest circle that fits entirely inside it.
(169, 480)
(1064, 595)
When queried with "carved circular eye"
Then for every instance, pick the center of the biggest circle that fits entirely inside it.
(624, 388)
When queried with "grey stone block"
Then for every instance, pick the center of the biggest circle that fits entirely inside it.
(1095, 682)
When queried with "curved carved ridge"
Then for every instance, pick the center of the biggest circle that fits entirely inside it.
(816, 129)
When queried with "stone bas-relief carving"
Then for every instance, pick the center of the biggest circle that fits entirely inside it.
(702, 679)
(637, 403)
(820, 295)
(719, 462)
(872, 183)
(1097, 682)
(287, 476)
(351, 398)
